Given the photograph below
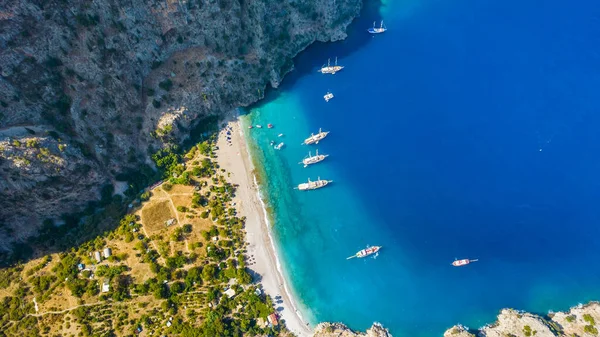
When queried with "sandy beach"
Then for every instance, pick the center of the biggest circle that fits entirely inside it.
(233, 156)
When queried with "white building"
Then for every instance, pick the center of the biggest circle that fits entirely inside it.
(105, 286)
(107, 252)
(97, 256)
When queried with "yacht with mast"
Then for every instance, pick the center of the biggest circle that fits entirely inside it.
(313, 185)
(314, 139)
(376, 30)
(329, 69)
(313, 159)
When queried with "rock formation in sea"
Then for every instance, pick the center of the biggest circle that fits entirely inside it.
(90, 89)
(579, 321)
(340, 330)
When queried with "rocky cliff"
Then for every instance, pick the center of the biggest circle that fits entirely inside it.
(90, 89)
(340, 330)
(579, 321)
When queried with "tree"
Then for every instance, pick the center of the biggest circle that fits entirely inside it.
(243, 276)
(209, 272)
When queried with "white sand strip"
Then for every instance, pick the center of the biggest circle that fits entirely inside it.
(233, 156)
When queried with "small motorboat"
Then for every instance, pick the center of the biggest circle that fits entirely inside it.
(250, 126)
(328, 96)
(280, 135)
(463, 262)
(279, 146)
(270, 126)
(259, 126)
(272, 143)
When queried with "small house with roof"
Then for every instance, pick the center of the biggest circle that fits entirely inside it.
(273, 319)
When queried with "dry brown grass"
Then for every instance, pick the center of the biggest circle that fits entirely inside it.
(154, 215)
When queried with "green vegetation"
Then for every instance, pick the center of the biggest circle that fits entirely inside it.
(570, 318)
(196, 279)
(166, 84)
(588, 318)
(590, 329)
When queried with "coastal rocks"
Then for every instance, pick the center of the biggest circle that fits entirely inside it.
(519, 324)
(340, 330)
(579, 321)
(114, 82)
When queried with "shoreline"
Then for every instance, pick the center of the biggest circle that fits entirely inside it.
(235, 158)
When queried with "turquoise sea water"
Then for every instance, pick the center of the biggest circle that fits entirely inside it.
(468, 130)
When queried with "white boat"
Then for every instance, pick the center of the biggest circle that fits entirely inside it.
(314, 139)
(259, 126)
(280, 135)
(313, 159)
(328, 96)
(376, 30)
(329, 69)
(313, 185)
(365, 252)
(279, 146)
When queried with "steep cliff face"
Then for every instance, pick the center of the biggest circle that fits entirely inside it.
(89, 89)
(579, 321)
(340, 330)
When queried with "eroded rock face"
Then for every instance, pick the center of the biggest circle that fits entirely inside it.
(579, 321)
(111, 81)
(340, 330)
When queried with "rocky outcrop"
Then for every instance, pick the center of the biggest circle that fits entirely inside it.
(100, 85)
(579, 321)
(340, 330)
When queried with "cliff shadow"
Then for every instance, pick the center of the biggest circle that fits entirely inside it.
(310, 59)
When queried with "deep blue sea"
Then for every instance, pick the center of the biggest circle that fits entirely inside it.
(470, 129)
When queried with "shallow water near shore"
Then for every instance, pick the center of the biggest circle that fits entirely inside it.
(468, 130)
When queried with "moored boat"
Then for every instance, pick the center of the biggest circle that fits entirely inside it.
(313, 185)
(365, 252)
(463, 262)
(328, 96)
(279, 146)
(270, 126)
(314, 139)
(313, 159)
(329, 69)
(376, 30)
(259, 126)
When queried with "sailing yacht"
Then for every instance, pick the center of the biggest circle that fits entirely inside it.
(314, 139)
(313, 159)
(376, 30)
(313, 185)
(329, 69)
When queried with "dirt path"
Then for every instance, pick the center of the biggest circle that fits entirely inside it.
(66, 310)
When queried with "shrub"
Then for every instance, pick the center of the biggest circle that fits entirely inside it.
(588, 318)
(590, 329)
(166, 84)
